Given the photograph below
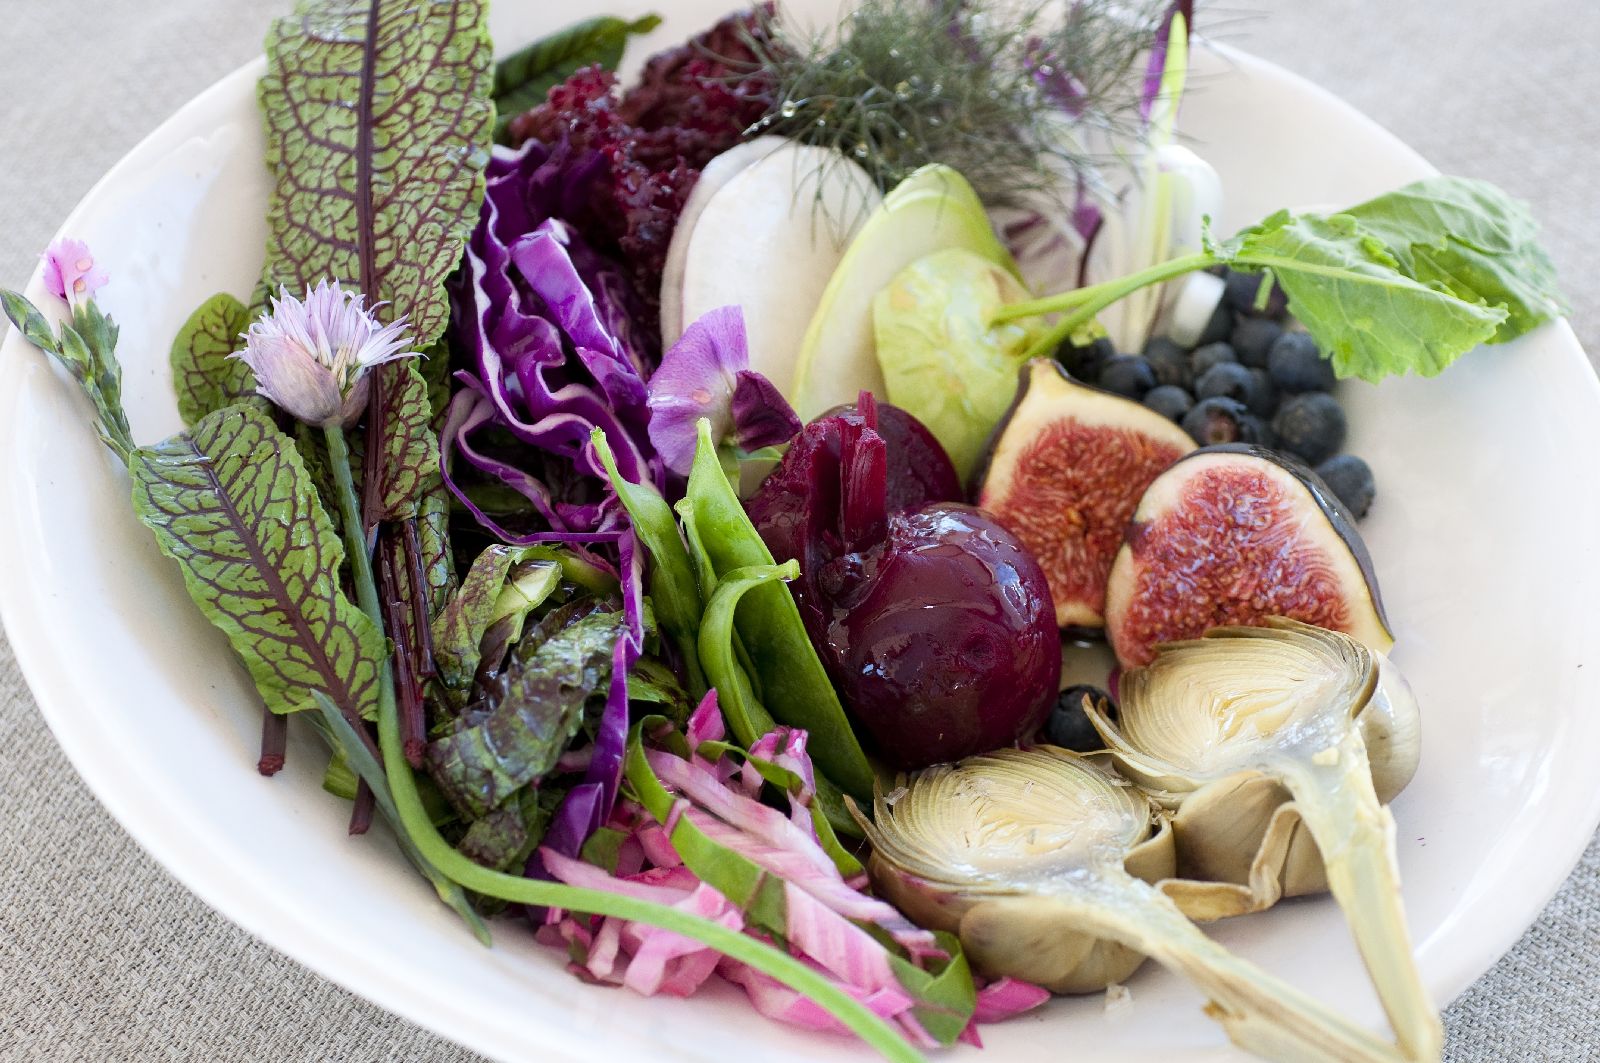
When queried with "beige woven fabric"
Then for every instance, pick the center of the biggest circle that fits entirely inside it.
(105, 957)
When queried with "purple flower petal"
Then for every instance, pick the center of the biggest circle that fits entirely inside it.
(1158, 54)
(696, 379)
(69, 271)
(762, 417)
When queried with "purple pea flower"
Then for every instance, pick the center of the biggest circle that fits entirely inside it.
(311, 358)
(707, 374)
(69, 272)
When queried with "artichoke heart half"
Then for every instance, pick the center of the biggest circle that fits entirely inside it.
(1275, 748)
(1043, 862)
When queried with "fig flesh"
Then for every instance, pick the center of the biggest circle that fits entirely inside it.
(1233, 535)
(1066, 469)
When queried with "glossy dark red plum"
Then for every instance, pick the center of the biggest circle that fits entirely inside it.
(942, 636)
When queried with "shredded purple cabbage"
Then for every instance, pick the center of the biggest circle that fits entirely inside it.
(545, 324)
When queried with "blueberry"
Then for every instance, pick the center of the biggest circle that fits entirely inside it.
(1086, 362)
(1253, 338)
(1209, 355)
(1350, 478)
(1220, 327)
(1223, 420)
(1069, 726)
(1129, 375)
(1170, 361)
(1170, 401)
(1263, 399)
(1310, 426)
(1297, 365)
(1228, 379)
(1242, 291)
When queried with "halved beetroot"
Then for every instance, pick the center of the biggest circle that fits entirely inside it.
(1234, 534)
(1066, 468)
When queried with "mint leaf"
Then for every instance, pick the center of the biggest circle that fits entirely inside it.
(231, 503)
(523, 78)
(536, 713)
(409, 462)
(378, 122)
(459, 628)
(1351, 294)
(1472, 239)
(205, 378)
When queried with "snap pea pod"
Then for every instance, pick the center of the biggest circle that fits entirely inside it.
(783, 663)
(747, 718)
(673, 587)
(726, 670)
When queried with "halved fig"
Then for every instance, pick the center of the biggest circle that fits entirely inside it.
(1235, 534)
(1066, 468)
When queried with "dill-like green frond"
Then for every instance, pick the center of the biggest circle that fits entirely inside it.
(983, 86)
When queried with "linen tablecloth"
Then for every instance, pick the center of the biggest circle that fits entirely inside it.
(103, 956)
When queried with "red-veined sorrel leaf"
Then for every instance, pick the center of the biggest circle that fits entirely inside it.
(203, 375)
(232, 504)
(378, 122)
(410, 460)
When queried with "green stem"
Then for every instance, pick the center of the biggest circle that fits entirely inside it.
(1083, 304)
(426, 839)
(1355, 835)
(350, 512)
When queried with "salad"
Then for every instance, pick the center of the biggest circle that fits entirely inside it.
(682, 505)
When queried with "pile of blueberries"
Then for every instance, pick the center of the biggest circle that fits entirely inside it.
(1249, 379)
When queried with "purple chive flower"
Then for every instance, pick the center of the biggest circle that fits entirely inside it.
(707, 374)
(69, 271)
(311, 358)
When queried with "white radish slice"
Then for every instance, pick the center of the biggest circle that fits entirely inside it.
(768, 241)
(718, 172)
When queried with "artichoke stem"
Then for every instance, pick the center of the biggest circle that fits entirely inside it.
(1262, 1014)
(1356, 837)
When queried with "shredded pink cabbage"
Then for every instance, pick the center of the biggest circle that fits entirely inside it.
(826, 918)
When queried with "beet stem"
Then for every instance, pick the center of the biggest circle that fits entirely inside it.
(422, 629)
(408, 695)
(361, 813)
(863, 480)
(274, 741)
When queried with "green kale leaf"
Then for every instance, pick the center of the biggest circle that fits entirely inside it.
(1471, 238)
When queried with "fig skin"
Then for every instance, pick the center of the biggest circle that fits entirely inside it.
(942, 636)
(1060, 426)
(1320, 522)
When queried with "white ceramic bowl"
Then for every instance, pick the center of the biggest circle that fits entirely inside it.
(1486, 535)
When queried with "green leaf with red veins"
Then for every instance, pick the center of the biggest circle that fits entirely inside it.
(205, 378)
(230, 501)
(378, 124)
(410, 460)
(433, 544)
